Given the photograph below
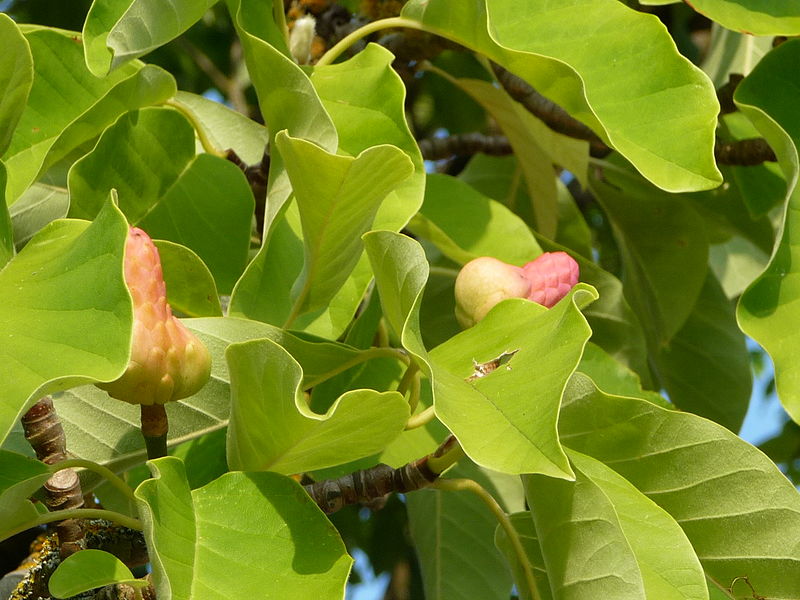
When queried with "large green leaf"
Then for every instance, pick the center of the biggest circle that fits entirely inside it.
(614, 377)
(6, 227)
(65, 313)
(498, 424)
(767, 310)
(225, 127)
(50, 129)
(706, 366)
(245, 535)
(664, 249)
(738, 510)
(753, 17)
(272, 428)
(583, 543)
(202, 202)
(336, 207)
(453, 533)
(471, 226)
(661, 118)
(117, 31)
(16, 78)
(20, 477)
(191, 288)
(522, 522)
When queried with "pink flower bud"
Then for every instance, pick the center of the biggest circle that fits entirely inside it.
(552, 275)
(484, 282)
(167, 361)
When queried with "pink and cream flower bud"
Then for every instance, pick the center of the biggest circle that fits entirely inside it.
(167, 361)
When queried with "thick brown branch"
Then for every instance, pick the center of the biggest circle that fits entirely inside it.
(45, 434)
(745, 153)
(464, 144)
(368, 485)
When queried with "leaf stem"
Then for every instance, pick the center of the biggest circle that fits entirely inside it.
(208, 146)
(443, 271)
(78, 513)
(439, 464)
(408, 378)
(459, 485)
(105, 472)
(382, 333)
(359, 358)
(333, 53)
(420, 419)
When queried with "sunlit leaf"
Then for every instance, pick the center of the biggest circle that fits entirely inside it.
(661, 118)
(38, 206)
(272, 428)
(65, 313)
(6, 227)
(245, 535)
(753, 17)
(16, 78)
(191, 288)
(117, 31)
(20, 477)
(89, 569)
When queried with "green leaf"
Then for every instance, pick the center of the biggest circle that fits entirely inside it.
(272, 427)
(20, 477)
(117, 31)
(613, 377)
(547, 345)
(706, 366)
(50, 128)
(336, 206)
(89, 569)
(669, 567)
(368, 91)
(767, 309)
(245, 535)
(453, 534)
(16, 78)
(522, 522)
(64, 308)
(732, 52)
(662, 118)
(477, 227)
(6, 227)
(663, 245)
(190, 285)
(753, 17)
(401, 271)
(202, 202)
(38, 206)
(225, 127)
(740, 513)
(582, 540)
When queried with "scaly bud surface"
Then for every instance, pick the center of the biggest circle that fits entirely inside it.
(167, 361)
(484, 282)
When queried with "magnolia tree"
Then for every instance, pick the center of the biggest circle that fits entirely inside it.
(556, 420)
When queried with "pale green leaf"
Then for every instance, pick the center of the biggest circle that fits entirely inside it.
(38, 206)
(731, 52)
(16, 78)
(59, 72)
(272, 428)
(613, 377)
(117, 31)
(522, 522)
(65, 313)
(225, 127)
(190, 286)
(244, 535)
(706, 366)
(754, 17)
(738, 510)
(669, 567)
(6, 226)
(582, 541)
(661, 118)
(336, 207)
(89, 569)
(464, 224)
(767, 310)
(547, 345)
(20, 477)
(453, 533)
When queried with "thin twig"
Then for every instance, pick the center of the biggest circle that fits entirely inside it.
(464, 144)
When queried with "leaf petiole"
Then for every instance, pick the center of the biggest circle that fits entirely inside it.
(104, 472)
(333, 53)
